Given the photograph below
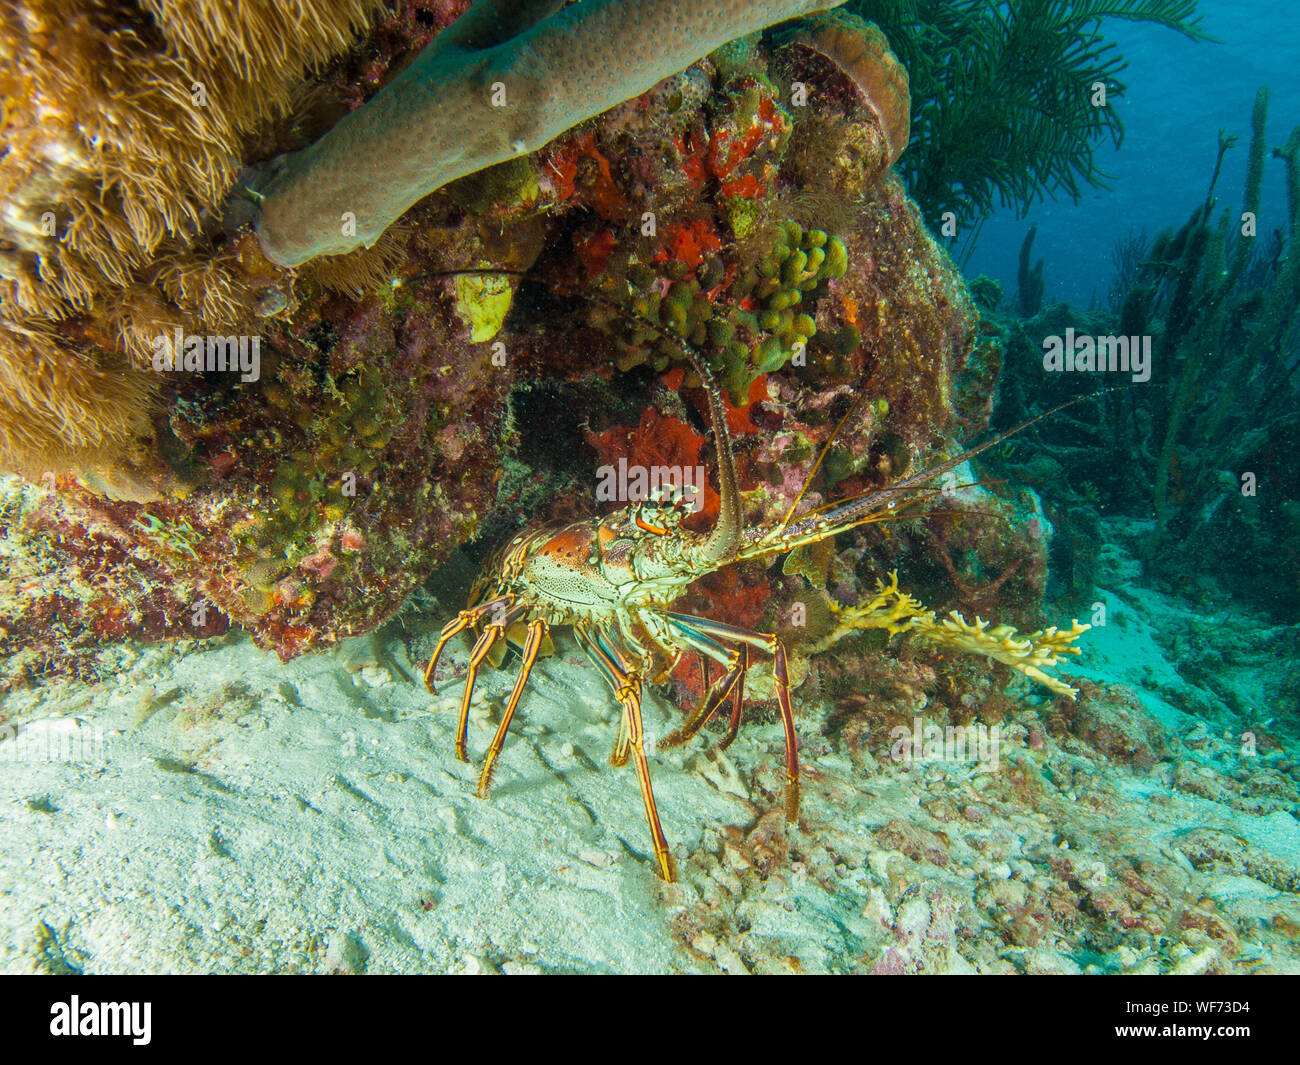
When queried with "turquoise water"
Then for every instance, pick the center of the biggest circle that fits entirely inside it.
(1180, 93)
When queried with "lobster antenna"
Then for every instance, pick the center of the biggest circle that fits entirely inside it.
(821, 457)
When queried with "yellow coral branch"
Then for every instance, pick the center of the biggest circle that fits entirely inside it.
(897, 612)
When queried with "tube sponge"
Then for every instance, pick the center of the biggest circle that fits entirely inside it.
(502, 85)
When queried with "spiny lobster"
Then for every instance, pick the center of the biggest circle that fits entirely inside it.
(614, 578)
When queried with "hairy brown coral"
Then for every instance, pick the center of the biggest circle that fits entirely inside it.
(59, 405)
(129, 126)
(123, 123)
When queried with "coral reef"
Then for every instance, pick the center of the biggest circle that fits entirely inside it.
(386, 427)
(1213, 304)
(418, 401)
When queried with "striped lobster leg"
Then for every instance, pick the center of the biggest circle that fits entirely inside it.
(532, 645)
(699, 633)
(626, 685)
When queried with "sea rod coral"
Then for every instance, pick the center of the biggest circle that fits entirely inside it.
(502, 83)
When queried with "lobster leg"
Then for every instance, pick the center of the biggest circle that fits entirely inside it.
(490, 636)
(598, 650)
(769, 642)
(714, 695)
(781, 674)
(536, 633)
(732, 684)
(737, 701)
(618, 756)
(630, 696)
(627, 690)
(459, 624)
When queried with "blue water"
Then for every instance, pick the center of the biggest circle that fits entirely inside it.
(1180, 94)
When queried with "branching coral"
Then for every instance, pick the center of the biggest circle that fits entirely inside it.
(897, 612)
(502, 83)
(1215, 302)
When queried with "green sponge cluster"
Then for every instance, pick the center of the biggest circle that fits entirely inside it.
(684, 308)
(796, 264)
